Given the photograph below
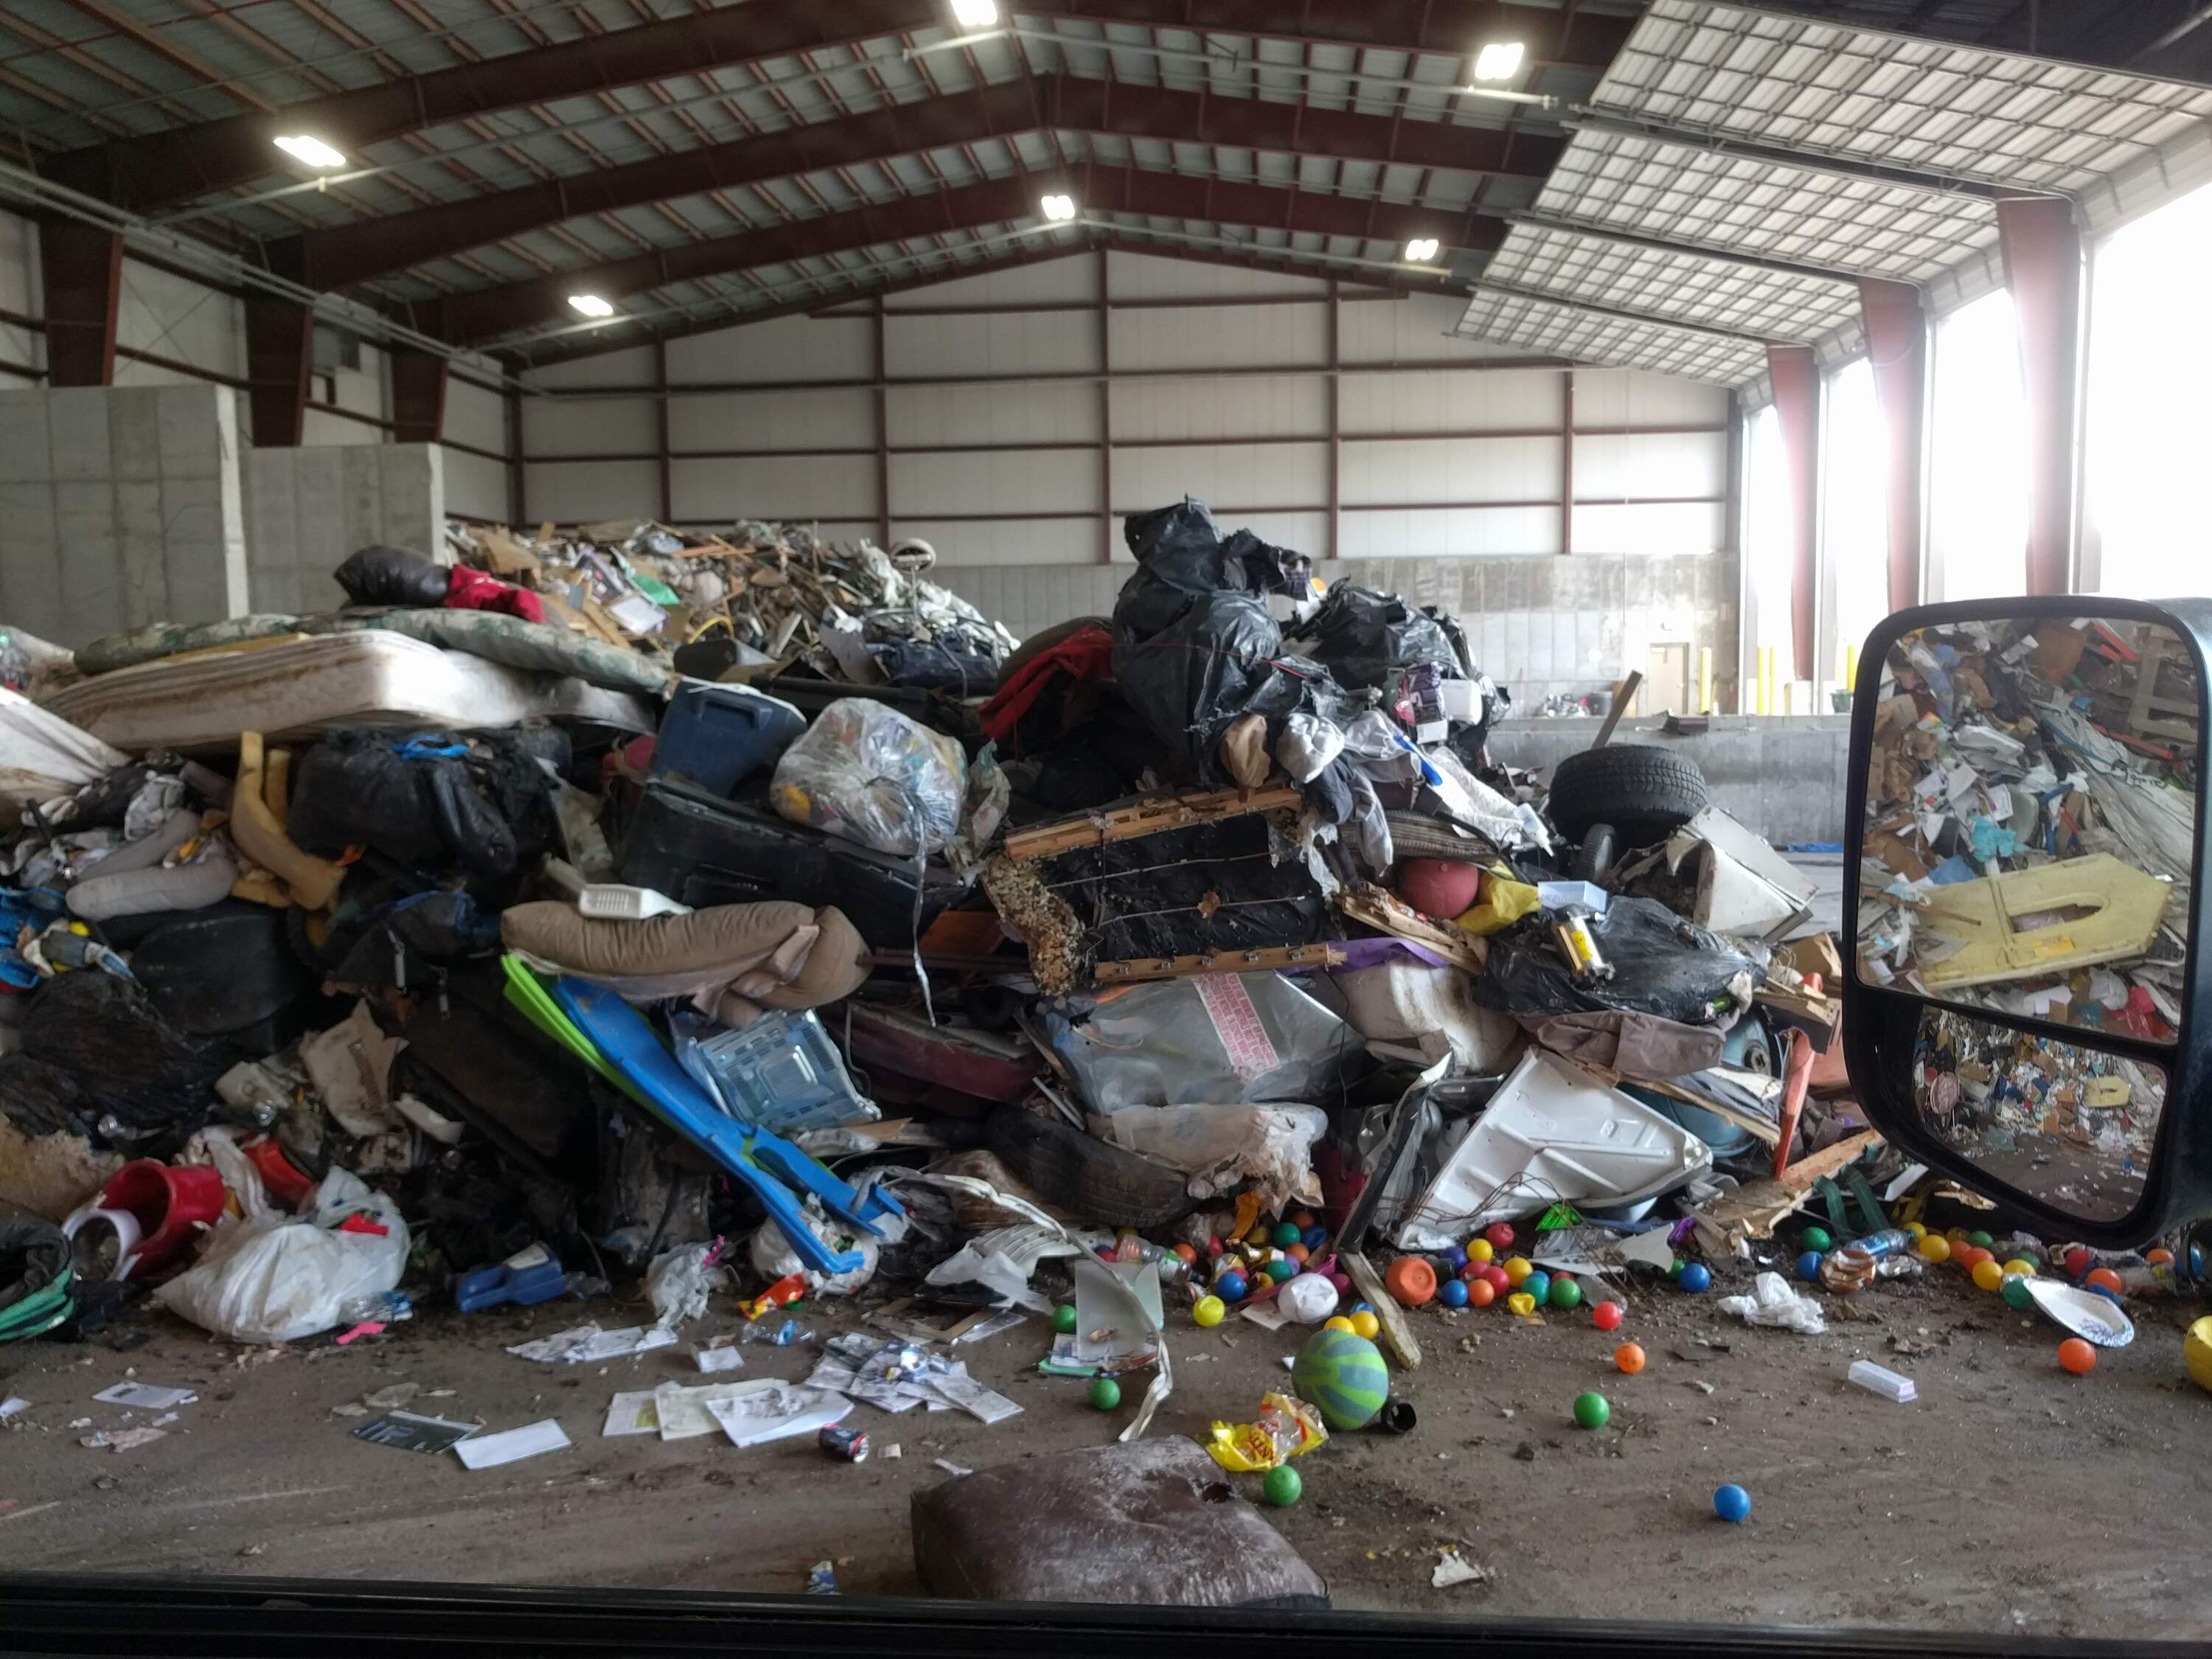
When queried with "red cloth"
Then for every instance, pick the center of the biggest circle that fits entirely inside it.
(471, 590)
(1086, 654)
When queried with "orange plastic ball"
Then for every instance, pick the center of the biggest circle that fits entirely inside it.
(1629, 1357)
(1480, 1293)
(1299, 1254)
(2077, 1356)
(2161, 1257)
(1302, 1219)
(1187, 1253)
(2103, 1278)
(1969, 1256)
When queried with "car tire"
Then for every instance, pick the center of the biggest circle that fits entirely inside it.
(1643, 791)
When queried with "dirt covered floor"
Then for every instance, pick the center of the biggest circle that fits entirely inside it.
(2009, 1497)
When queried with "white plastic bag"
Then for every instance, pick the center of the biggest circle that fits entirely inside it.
(679, 1280)
(281, 1279)
(867, 773)
(773, 1258)
(1774, 1302)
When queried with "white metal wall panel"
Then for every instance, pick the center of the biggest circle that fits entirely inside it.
(782, 349)
(1453, 400)
(474, 485)
(181, 319)
(837, 418)
(19, 261)
(1042, 411)
(582, 492)
(1425, 471)
(1075, 278)
(632, 367)
(475, 416)
(1222, 406)
(1002, 481)
(1619, 396)
(590, 426)
(1402, 533)
(1247, 475)
(1668, 527)
(1218, 336)
(780, 487)
(1303, 532)
(1651, 463)
(1418, 330)
(1007, 541)
(1140, 276)
(1014, 342)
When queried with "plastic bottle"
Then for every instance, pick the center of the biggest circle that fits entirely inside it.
(384, 1307)
(1852, 1266)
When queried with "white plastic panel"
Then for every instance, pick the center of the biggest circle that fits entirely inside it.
(1670, 527)
(474, 485)
(1597, 337)
(1040, 411)
(1453, 400)
(631, 367)
(1222, 406)
(589, 426)
(782, 487)
(180, 319)
(1303, 532)
(1651, 463)
(1254, 475)
(833, 419)
(1218, 336)
(19, 257)
(582, 492)
(1691, 287)
(1072, 277)
(1400, 534)
(1141, 276)
(1431, 471)
(1003, 481)
(1419, 329)
(782, 349)
(1619, 396)
(1008, 541)
(475, 416)
(1022, 343)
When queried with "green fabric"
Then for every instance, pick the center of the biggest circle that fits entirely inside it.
(158, 640)
(518, 644)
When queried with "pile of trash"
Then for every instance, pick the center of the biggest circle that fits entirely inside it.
(614, 914)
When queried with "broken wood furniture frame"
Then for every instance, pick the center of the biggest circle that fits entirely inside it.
(2127, 906)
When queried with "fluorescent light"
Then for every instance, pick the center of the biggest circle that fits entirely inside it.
(591, 305)
(313, 151)
(1499, 61)
(1058, 208)
(975, 14)
(1420, 250)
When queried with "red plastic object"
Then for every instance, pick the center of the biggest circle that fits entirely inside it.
(170, 1201)
(1411, 1281)
(1796, 1080)
(361, 1224)
(1439, 887)
(283, 1177)
(1500, 1234)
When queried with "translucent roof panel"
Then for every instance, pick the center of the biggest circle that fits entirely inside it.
(1796, 82)
(1807, 215)
(1596, 337)
(1688, 287)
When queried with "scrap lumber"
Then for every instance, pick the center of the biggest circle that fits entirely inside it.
(1271, 959)
(1372, 907)
(1145, 817)
(1397, 1334)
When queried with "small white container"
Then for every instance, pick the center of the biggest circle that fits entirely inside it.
(1880, 1379)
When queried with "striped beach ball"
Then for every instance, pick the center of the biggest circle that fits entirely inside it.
(1342, 1376)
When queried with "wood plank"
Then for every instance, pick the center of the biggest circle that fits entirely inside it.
(1810, 1169)
(1146, 818)
(1274, 958)
(1397, 1334)
(1372, 907)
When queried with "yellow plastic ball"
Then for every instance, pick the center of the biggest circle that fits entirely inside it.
(1366, 1325)
(1915, 1230)
(1935, 1247)
(1210, 1311)
(1522, 1303)
(2020, 1265)
(1956, 1235)
(1478, 1249)
(1988, 1275)
(1339, 1323)
(1518, 1267)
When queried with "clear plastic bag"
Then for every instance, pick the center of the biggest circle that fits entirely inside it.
(869, 774)
(280, 1279)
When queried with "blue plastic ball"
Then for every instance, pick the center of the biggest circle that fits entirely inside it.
(1314, 1237)
(1732, 1504)
(1809, 1266)
(1697, 1277)
(2105, 1291)
(1453, 1294)
(1538, 1285)
(1362, 1307)
(1454, 1258)
(1231, 1286)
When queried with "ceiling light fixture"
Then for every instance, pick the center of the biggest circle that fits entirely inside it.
(1421, 250)
(591, 305)
(1058, 208)
(312, 151)
(1499, 61)
(975, 14)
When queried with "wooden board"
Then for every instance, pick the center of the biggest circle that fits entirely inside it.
(1146, 818)
(1397, 1334)
(1274, 958)
(1371, 907)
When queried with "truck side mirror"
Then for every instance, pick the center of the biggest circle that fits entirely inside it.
(2025, 1010)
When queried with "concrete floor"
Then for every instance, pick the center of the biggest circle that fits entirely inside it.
(2010, 1496)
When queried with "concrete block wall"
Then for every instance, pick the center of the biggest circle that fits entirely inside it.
(307, 509)
(119, 506)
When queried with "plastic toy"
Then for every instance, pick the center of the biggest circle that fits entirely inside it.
(1979, 1240)
(1453, 1294)
(1302, 1217)
(1988, 1275)
(1283, 1487)
(1479, 1249)
(1454, 1258)
(1308, 1299)
(1105, 1394)
(1696, 1279)
(1592, 1410)
(2197, 1354)
(1289, 1233)
(1500, 1234)
(2078, 1261)
(1314, 1237)
(1411, 1281)
(1063, 1318)
(1817, 1238)
(1480, 1293)
(1231, 1286)
(1521, 1302)
(1341, 1376)
(1338, 1322)
(2017, 1293)
(1210, 1311)
(1343, 1283)
(1186, 1254)
(1934, 1247)
(1518, 1267)
(1215, 1246)
(1565, 1293)
(1299, 1253)
(1607, 1316)
(1629, 1357)
(1366, 1325)
(1732, 1504)
(2077, 1356)
(2103, 1278)
(1809, 1266)
(2026, 1269)
(1282, 1268)
(1500, 1280)
(1538, 1284)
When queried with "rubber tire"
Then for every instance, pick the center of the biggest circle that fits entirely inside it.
(1643, 791)
(1595, 855)
(1084, 1177)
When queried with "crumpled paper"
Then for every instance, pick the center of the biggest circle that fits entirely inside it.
(1774, 1302)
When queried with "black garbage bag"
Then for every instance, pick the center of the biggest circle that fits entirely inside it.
(935, 665)
(1662, 965)
(1181, 557)
(392, 575)
(95, 1047)
(397, 943)
(1363, 638)
(36, 1277)
(430, 799)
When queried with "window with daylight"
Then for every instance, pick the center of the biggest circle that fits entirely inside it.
(1977, 484)
(1854, 507)
(1767, 533)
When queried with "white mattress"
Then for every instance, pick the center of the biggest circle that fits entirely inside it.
(372, 677)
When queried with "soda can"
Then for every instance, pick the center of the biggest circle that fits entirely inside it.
(851, 1444)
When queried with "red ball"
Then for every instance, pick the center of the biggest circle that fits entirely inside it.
(1605, 1315)
(1438, 887)
(1343, 1283)
(1215, 1246)
(1496, 1275)
(2077, 1262)
(1500, 1234)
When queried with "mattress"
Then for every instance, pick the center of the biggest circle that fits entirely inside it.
(301, 688)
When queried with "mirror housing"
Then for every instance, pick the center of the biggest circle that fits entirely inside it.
(1909, 1042)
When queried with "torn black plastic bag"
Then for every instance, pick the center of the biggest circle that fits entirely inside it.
(1363, 638)
(430, 799)
(1662, 965)
(393, 575)
(1182, 556)
(1216, 664)
(95, 1048)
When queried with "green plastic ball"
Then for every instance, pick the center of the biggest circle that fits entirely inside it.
(1675, 1271)
(1979, 1239)
(1063, 1318)
(1817, 1238)
(1105, 1394)
(1283, 1487)
(1565, 1293)
(2015, 1292)
(1287, 1234)
(1591, 1411)
(1282, 1270)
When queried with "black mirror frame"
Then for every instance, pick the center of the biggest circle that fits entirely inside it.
(1881, 1026)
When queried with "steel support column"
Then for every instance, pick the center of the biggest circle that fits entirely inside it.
(2042, 267)
(1796, 380)
(1105, 410)
(280, 336)
(81, 269)
(882, 435)
(1896, 321)
(1567, 462)
(666, 482)
(418, 398)
(1336, 425)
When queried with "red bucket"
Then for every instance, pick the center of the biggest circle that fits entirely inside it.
(170, 1201)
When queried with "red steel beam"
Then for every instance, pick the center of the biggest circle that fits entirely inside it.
(2042, 267)
(343, 255)
(1796, 378)
(1896, 322)
(419, 379)
(280, 338)
(81, 268)
(482, 314)
(148, 171)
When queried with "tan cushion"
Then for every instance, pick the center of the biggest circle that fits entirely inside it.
(778, 954)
